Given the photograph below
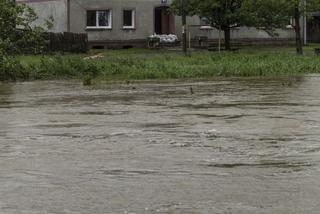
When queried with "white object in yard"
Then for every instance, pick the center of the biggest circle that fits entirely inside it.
(206, 27)
(166, 39)
(98, 56)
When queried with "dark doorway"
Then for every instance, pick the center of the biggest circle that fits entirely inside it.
(163, 21)
(313, 29)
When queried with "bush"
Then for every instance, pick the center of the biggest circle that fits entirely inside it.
(59, 66)
(127, 65)
(11, 69)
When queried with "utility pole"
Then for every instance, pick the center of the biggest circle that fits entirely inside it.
(184, 26)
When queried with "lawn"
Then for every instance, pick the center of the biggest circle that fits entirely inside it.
(137, 64)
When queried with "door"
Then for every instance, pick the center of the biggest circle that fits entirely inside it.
(313, 29)
(163, 21)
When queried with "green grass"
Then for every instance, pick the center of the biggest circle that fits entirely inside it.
(137, 64)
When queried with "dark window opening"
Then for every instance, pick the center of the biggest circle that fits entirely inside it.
(91, 18)
(128, 18)
(99, 18)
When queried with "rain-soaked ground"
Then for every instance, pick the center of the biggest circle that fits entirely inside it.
(242, 146)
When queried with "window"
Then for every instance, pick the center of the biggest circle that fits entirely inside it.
(99, 19)
(128, 19)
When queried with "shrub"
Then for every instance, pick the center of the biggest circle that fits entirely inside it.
(59, 66)
(11, 69)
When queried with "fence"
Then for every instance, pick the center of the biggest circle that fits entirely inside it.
(66, 42)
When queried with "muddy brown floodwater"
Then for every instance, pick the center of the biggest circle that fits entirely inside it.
(242, 146)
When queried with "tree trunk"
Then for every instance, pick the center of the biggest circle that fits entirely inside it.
(297, 29)
(227, 38)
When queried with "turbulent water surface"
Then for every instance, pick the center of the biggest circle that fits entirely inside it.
(242, 146)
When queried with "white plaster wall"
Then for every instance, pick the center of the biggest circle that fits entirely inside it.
(144, 20)
(236, 33)
(55, 8)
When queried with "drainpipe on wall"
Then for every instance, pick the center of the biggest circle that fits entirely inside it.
(305, 23)
(68, 15)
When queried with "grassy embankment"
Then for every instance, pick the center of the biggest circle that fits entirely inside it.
(164, 64)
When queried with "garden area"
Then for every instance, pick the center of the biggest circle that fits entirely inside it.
(140, 64)
(37, 63)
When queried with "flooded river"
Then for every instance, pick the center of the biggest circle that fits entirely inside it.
(235, 146)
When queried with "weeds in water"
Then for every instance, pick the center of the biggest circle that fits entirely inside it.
(87, 80)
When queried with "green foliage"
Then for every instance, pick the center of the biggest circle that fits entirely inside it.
(208, 65)
(49, 22)
(17, 34)
(224, 14)
(11, 69)
(267, 15)
(273, 14)
(146, 64)
(277, 13)
(263, 14)
(16, 29)
(87, 80)
(137, 64)
(59, 66)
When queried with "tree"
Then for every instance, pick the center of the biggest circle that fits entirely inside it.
(16, 29)
(274, 14)
(17, 33)
(221, 14)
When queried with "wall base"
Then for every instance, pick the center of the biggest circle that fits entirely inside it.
(142, 43)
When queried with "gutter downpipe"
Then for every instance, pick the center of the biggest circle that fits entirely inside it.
(68, 15)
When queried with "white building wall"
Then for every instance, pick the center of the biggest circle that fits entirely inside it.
(46, 8)
(236, 33)
(144, 20)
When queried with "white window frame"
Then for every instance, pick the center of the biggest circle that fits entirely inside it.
(133, 19)
(97, 20)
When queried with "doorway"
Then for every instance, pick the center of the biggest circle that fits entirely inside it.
(313, 29)
(163, 21)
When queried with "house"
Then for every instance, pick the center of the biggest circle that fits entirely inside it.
(114, 23)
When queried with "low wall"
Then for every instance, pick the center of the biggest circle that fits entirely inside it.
(141, 43)
(242, 42)
(117, 44)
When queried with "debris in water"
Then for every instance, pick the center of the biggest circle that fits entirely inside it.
(191, 90)
(87, 80)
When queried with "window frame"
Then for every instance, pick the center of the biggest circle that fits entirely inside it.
(97, 19)
(133, 19)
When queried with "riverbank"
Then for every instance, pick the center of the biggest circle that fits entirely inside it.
(141, 64)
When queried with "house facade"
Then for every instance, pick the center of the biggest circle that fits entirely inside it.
(111, 23)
